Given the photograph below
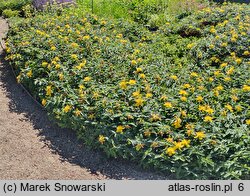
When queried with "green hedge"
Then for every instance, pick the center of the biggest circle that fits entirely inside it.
(13, 4)
(176, 99)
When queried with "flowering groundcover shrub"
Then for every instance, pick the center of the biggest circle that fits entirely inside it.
(176, 102)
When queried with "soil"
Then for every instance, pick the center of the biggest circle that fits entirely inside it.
(33, 147)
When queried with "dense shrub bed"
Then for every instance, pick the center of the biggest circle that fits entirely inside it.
(176, 99)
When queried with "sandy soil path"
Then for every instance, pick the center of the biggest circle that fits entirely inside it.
(32, 147)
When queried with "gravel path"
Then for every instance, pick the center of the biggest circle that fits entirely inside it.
(33, 147)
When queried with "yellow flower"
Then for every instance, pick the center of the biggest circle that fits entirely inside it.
(147, 133)
(184, 93)
(95, 95)
(133, 62)
(199, 98)
(136, 94)
(229, 107)
(67, 108)
(186, 143)
(154, 144)
(177, 123)
(234, 98)
(238, 108)
(148, 95)
(200, 135)
(246, 88)
(163, 97)
(87, 79)
(246, 53)
(139, 102)
(142, 76)
(77, 112)
(224, 44)
(74, 56)
(209, 110)
(61, 76)
(58, 66)
(132, 82)
(168, 104)
(169, 139)
(86, 37)
(44, 102)
(44, 64)
(138, 70)
(186, 86)
(211, 46)
(119, 36)
(189, 46)
(178, 145)
(74, 45)
(29, 74)
(139, 146)
(201, 108)
(53, 48)
(155, 117)
(248, 121)
(48, 91)
(223, 65)
(212, 30)
(227, 79)
(119, 129)
(101, 139)
(183, 113)
(183, 98)
(189, 132)
(194, 74)
(208, 119)
(123, 84)
(174, 77)
(238, 61)
(170, 151)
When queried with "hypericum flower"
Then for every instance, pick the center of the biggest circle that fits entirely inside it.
(95, 95)
(168, 104)
(44, 102)
(189, 132)
(74, 45)
(183, 98)
(148, 95)
(229, 107)
(170, 139)
(138, 70)
(77, 112)
(67, 108)
(199, 98)
(86, 37)
(246, 88)
(248, 121)
(170, 151)
(224, 44)
(238, 108)
(202, 108)
(132, 82)
(120, 128)
(139, 102)
(123, 84)
(230, 71)
(183, 113)
(208, 119)
(87, 79)
(212, 30)
(186, 86)
(238, 61)
(101, 139)
(136, 94)
(48, 90)
(200, 135)
(119, 36)
(194, 74)
(147, 133)
(74, 56)
(227, 79)
(209, 110)
(177, 123)
(133, 62)
(29, 74)
(178, 145)
(139, 147)
(53, 48)
(57, 66)
(211, 46)
(189, 46)
(186, 143)
(182, 92)
(163, 97)
(234, 98)
(223, 65)
(44, 64)
(246, 53)
(155, 117)
(142, 76)
(174, 77)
